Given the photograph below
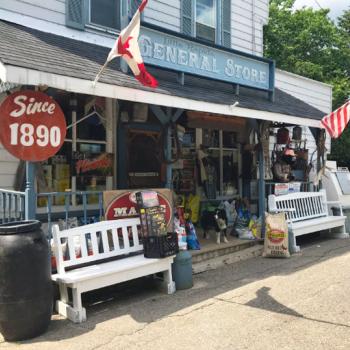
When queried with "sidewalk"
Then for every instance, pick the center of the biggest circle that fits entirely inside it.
(297, 303)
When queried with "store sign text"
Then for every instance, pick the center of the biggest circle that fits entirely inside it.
(170, 51)
(32, 125)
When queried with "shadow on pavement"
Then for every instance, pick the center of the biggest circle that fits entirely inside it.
(266, 302)
(141, 304)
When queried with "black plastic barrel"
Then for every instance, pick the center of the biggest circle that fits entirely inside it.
(25, 281)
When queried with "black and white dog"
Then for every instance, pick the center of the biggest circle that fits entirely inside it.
(216, 220)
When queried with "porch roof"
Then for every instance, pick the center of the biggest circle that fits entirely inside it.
(32, 57)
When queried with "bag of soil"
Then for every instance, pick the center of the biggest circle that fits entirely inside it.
(276, 236)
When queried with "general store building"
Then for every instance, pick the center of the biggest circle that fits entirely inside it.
(215, 89)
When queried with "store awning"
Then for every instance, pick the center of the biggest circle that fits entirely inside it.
(32, 57)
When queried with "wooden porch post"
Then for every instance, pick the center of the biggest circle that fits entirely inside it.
(262, 192)
(165, 119)
(30, 197)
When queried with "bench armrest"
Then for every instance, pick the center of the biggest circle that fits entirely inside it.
(337, 203)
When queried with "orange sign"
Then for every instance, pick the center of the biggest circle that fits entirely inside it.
(32, 125)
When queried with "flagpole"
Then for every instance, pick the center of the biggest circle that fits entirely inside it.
(99, 73)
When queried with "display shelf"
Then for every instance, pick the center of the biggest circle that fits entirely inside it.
(220, 198)
(184, 170)
(224, 149)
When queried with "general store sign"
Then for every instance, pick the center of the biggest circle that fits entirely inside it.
(32, 125)
(177, 53)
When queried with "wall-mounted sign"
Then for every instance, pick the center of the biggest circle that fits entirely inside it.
(32, 125)
(84, 164)
(188, 56)
(285, 188)
(121, 204)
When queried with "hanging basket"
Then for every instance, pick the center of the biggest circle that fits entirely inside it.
(283, 136)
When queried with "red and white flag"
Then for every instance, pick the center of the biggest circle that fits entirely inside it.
(127, 47)
(336, 122)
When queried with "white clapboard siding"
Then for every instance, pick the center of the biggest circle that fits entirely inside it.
(49, 16)
(310, 91)
(49, 10)
(248, 18)
(164, 13)
(8, 164)
(8, 168)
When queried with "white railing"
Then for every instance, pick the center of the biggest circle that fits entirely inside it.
(12, 206)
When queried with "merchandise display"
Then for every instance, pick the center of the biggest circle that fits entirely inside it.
(152, 215)
(192, 240)
(184, 169)
(290, 157)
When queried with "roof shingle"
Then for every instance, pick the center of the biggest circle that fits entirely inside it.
(29, 48)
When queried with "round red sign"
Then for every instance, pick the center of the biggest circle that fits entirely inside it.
(32, 125)
(124, 206)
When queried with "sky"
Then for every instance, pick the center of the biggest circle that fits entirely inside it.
(336, 6)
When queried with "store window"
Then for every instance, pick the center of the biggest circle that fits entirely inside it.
(206, 20)
(85, 162)
(105, 13)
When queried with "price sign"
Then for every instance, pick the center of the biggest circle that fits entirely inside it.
(32, 125)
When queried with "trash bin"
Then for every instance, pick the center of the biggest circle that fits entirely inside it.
(25, 281)
(346, 212)
(182, 270)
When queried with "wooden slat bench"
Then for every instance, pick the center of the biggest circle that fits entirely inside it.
(308, 212)
(95, 245)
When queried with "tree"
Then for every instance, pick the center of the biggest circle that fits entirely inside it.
(344, 22)
(307, 42)
(341, 91)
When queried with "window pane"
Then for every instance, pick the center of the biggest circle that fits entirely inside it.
(105, 13)
(205, 33)
(206, 12)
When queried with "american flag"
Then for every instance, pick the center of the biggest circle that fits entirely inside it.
(336, 122)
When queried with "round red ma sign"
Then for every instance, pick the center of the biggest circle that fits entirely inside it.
(124, 206)
(32, 125)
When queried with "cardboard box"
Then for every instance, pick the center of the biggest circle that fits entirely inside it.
(62, 171)
(61, 186)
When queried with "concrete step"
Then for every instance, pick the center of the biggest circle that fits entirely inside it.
(213, 250)
(250, 251)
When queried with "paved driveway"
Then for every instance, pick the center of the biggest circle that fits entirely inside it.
(298, 303)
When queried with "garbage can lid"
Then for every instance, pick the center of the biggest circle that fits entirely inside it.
(15, 227)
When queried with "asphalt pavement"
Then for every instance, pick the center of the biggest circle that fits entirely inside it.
(297, 303)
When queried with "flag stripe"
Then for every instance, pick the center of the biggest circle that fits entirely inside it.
(336, 122)
(332, 123)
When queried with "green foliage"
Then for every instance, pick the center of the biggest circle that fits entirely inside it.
(344, 22)
(340, 149)
(307, 42)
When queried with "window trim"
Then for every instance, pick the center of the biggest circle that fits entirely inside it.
(218, 9)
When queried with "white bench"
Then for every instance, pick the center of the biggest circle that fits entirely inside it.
(308, 212)
(92, 243)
